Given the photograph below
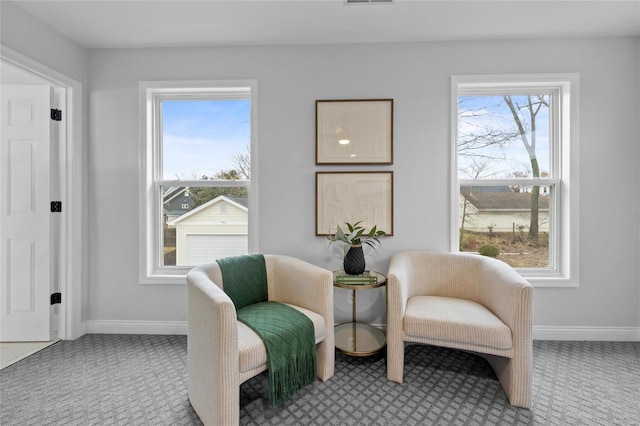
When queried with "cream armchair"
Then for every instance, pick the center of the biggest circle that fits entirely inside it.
(462, 301)
(223, 353)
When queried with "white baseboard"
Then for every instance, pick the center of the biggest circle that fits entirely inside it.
(611, 334)
(135, 327)
(540, 332)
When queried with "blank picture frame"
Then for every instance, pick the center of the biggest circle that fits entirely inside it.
(358, 131)
(365, 196)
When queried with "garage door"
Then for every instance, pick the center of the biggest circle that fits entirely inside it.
(207, 248)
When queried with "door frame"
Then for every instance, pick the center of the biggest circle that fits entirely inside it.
(71, 269)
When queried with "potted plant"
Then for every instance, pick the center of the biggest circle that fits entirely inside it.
(354, 238)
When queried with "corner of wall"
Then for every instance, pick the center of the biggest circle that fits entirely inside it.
(638, 168)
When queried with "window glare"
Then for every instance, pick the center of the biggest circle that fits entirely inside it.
(491, 145)
(201, 139)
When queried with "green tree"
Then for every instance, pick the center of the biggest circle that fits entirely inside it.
(202, 195)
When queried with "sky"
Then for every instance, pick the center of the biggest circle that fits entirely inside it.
(201, 137)
(478, 113)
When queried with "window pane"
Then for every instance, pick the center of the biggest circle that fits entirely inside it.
(502, 217)
(503, 136)
(204, 139)
(214, 224)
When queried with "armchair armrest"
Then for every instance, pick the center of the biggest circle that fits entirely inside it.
(509, 296)
(297, 282)
(212, 346)
(399, 281)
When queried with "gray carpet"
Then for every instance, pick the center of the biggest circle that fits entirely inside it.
(141, 380)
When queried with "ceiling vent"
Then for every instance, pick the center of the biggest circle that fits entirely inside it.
(368, 1)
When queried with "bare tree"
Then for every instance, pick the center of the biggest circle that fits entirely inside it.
(242, 161)
(482, 135)
(532, 107)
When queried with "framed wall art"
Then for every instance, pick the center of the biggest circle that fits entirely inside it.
(354, 196)
(356, 131)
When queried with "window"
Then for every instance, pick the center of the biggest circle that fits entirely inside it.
(196, 142)
(515, 172)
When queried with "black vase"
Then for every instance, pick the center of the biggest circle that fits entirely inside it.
(354, 261)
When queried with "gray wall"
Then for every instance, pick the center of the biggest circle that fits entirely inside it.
(417, 76)
(290, 79)
(28, 36)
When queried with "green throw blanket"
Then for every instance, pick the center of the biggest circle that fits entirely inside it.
(288, 334)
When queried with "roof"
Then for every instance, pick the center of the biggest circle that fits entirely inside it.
(218, 199)
(172, 192)
(243, 201)
(505, 201)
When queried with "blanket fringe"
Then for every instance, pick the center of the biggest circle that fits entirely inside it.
(298, 374)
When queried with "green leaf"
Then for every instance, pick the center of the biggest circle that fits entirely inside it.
(357, 235)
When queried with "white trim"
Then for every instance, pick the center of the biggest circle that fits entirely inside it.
(37, 348)
(601, 334)
(149, 230)
(564, 245)
(136, 327)
(72, 239)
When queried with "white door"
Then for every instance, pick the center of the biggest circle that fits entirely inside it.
(202, 248)
(25, 186)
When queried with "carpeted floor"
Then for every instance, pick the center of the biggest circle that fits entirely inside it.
(141, 380)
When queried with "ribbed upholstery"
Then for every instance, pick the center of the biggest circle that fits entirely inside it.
(452, 320)
(222, 353)
(462, 301)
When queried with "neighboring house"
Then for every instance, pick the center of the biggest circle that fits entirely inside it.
(216, 229)
(505, 211)
(177, 200)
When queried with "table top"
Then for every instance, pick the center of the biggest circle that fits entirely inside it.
(381, 280)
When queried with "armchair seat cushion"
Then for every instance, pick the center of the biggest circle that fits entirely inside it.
(457, 321)
(251, 350)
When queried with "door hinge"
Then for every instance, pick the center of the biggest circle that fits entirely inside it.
(56, 298)
(56, 206)
(56, 114)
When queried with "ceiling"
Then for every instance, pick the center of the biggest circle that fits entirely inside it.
(164, 23)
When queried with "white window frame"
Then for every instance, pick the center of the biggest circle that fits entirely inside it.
(564, 240)
(151, 94)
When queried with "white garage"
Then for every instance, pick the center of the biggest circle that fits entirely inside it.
(216, 229)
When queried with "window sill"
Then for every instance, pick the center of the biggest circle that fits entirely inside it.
(161, 278)
(551, 282)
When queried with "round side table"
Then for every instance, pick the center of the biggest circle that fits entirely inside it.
(358, 338)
